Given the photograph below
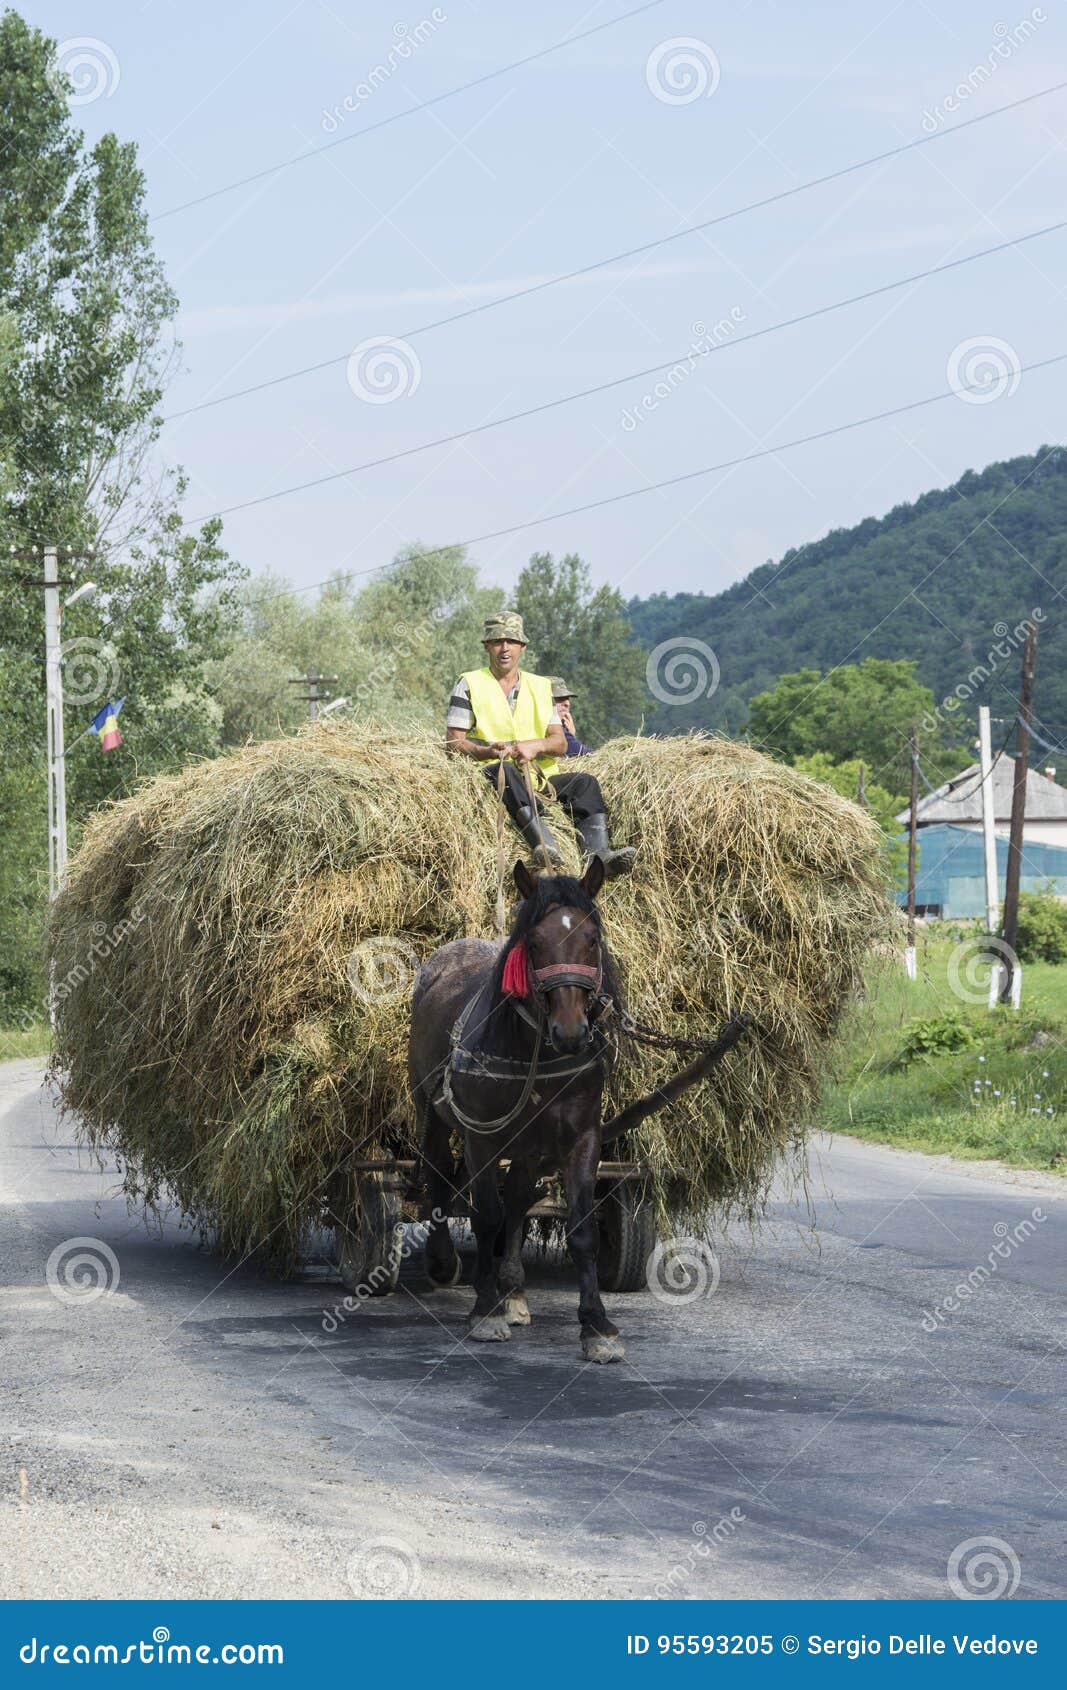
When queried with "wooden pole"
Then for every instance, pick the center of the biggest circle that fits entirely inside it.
(913, 829)
(1010, 929)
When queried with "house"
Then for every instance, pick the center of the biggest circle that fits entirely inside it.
(950, 879)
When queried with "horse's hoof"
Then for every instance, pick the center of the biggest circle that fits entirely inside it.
(596, 1346)
(517, 1310)
(490, 1329)
(448, 1279)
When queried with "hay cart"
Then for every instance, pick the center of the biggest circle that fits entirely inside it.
(370, 1208)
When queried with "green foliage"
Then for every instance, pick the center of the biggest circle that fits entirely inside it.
(935, 582)
(935, 1035)
(859, 711)
(86, 349)
(1041, 935)
(585, 636)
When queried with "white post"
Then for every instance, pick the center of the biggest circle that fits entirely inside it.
(989, 837)
(57, 775)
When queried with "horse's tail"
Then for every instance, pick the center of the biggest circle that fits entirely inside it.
(733, 1032)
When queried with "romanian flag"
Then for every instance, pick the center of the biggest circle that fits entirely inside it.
(105, 723)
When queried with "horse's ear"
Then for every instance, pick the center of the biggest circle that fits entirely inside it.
(593, 878)
(524, 880)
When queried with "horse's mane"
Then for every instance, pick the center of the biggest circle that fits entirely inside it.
(502, 1026)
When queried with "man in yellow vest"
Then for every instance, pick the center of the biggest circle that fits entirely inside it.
(506, 718)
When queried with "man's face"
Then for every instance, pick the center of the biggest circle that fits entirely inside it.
(563, 705)
(504, 656)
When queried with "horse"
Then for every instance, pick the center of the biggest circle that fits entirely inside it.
(482, 1015)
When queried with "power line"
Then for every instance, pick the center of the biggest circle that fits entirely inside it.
(691, 354)
(395, 117)
(712, 469)
(621, 257)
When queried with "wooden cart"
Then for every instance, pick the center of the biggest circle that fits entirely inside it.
(370, 1208)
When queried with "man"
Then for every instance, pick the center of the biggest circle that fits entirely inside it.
(561, 698)
(505, 718)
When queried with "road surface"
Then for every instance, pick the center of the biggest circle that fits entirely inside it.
(830, 1420)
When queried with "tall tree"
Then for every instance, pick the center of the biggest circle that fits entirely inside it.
(583, 635)
(861, 710)
(87, 345)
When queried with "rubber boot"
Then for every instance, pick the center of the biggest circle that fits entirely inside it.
(594, 832)
(547, 855)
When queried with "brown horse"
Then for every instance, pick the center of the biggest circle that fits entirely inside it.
(482, 1017)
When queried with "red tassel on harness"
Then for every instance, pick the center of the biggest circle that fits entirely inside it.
(516, 977)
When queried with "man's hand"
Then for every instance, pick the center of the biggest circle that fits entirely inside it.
(503, 747)
(526, 750)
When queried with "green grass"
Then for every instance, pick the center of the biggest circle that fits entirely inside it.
(34, 1040)
(989, 1099)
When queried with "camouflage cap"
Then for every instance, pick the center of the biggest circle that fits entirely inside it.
(561, 690)
(505, 625)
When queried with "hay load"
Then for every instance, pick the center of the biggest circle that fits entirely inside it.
(234, 950)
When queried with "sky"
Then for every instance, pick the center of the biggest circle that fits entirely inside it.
(681, 113)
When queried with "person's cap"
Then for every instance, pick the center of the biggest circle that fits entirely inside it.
(561, 690)
(505, 625)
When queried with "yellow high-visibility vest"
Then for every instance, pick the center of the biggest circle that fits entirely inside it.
(495, 720)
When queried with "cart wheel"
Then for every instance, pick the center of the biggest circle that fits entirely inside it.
(370, 1238)
(627, 1234)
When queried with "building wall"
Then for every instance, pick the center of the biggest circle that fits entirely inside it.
(951, 869)
(1036, 833)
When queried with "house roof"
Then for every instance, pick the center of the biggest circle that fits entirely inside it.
(960, 799)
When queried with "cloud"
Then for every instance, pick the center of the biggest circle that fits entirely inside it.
(224, 319)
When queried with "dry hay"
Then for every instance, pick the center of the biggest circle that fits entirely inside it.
(228, 1027)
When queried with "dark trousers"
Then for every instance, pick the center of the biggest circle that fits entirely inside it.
(580, 795)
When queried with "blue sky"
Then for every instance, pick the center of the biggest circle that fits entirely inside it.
(555, 166)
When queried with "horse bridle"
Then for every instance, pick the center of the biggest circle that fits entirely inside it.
(581, 974)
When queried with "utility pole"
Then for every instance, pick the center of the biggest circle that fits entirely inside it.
(313, 681)
(51, 581)
(1018, 819)
(989, 835)
(910, 965)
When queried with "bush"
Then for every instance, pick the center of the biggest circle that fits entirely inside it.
(935, 1035)
(1042, 931)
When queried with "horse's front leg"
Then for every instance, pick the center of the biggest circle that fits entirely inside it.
(486, 1322)
(519, 1188)
(600, 1337)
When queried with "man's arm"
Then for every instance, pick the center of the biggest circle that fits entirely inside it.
(554, 744)
(458, 743)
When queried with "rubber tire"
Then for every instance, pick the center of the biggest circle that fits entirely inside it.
(370, 1242)
(627, 1227)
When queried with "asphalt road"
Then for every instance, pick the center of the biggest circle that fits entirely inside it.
(821, 1424)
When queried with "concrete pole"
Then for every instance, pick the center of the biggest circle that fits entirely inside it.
(910, 962)
(57, 773)
(989, 836)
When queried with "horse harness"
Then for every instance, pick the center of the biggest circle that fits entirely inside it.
(464, 1059)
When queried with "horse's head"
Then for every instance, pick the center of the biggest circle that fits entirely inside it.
(559, 930)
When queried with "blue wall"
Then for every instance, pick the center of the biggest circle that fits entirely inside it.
(951, 870)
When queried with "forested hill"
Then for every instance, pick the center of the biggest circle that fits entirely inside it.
(930, 582)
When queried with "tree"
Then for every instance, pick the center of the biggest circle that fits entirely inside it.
(861, 710)
(584, 636)
(86, 348)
